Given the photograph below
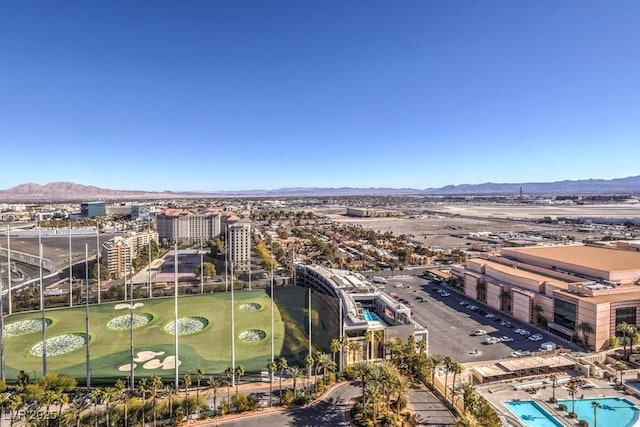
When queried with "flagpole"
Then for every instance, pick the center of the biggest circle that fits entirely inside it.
(98, 258)
(272, 297)
(175, 313)
(309, 321)
(70, 270)
(2, 377)
(44, 320)
(86, 312)
(131, 352)
(149, 239)
(340, 333)
(226, 258)
(233, 331)
(9, 264)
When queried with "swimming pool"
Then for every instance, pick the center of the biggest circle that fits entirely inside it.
(613, 411)
(531, 414)
(370, 317)
(633, 385)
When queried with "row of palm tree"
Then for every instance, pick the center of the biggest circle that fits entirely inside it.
(384, 389)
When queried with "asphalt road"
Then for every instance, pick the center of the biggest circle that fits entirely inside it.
(450, 323)
(330, 411)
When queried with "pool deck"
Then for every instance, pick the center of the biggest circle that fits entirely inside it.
(539, 389)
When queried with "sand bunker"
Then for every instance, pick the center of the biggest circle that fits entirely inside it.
(152, 364)
(123, 306)
(127, 367)
(170, 362)
(144, 356)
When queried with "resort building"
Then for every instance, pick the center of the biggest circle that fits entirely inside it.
(364, 310)
(563, 288)
(118, 253)
(182, 226)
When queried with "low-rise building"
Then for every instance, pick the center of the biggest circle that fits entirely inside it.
(119, 252)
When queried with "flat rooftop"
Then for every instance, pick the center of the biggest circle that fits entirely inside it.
(519, 272)
(598, 258)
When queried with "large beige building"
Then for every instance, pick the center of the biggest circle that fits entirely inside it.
(176, 225)
(560, 287)
(118, 253)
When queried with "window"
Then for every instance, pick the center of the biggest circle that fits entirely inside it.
(564, 314)
(626, 315)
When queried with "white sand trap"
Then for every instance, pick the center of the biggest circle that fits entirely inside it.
(169, 362)
(144, 356)
(122, 306)
(127, 367)
(152, 364)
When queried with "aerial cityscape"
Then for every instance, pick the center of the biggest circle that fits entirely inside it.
(333, 214)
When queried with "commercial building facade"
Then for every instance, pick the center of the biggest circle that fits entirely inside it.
(92, 209)
(239, 235)
(562, 288)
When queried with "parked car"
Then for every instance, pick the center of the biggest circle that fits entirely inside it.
(505, 338)
(491, 340)
(445, 294)
(479, 332)
(536, 337)
(488, 315)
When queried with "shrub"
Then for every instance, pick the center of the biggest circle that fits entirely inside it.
(583, 423)
(287, 397)
(320, 387)
(331, 378)
(562, 407)
(223, 408)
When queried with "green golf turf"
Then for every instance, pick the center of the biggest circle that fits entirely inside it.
(209, 349)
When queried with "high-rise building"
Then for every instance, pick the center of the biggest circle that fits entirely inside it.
(239, 234)
(182, 226)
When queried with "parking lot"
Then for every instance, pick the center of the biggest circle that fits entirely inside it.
(452, 319)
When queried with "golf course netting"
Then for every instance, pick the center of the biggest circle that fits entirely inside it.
(204, 335)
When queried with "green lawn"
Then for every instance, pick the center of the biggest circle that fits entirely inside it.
(209, 349)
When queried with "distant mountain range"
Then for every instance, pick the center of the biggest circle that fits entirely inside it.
(67, 191)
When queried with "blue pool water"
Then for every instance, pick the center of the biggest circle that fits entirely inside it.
(614, 411)
(370, 317)
(634, 385)
(531, 414)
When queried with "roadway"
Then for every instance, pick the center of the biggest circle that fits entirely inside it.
(450, 323)
(330, 411)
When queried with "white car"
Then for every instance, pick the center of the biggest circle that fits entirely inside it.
(479, 332)
(488, 315)
(506, 339)
(524, 332)
(491, 340)
(445, 294)
(536, 337)
(518, 353)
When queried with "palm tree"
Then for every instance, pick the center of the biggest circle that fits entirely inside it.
(624, 328)
(362, 370)
(573, 389)
(448, 367)
(469, 397)
(354, 347)
(436, 359)
(422, 347)
(186, 380)
(282, 365)
(199, 377)
(378, 337)
(554, 384)
(215, 383)
(585, 329)
(271, 368)
(308, 363)
(456, 369)
(95, 394)
(74, 413)
(401, 387)
(156, 385)
(368, 338)
(595, 405)
(230, 374)
(633, 331)
(294, 373)
(239, 372)
(334, 347)
(467, 420)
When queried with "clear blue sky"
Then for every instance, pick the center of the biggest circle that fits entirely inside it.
(209, 95)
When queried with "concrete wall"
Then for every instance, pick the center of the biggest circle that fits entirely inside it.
(522, 303)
